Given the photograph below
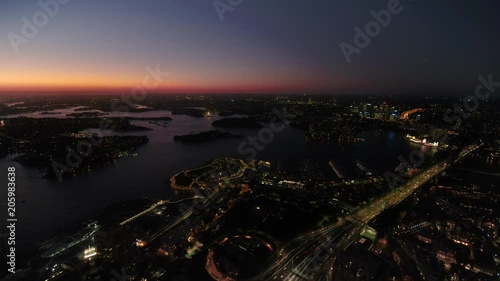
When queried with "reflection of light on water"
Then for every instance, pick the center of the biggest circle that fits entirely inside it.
(391, 135)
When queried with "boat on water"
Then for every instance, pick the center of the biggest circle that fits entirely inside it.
(361, 165)
(339, 171)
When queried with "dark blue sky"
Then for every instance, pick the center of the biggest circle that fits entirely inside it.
(285, 45)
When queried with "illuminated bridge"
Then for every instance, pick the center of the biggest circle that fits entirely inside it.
(407, 114)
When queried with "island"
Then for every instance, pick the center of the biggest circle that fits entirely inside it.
(55, 165)
(56, 138)
(193, 112)
(205, 136)
(49, 113)
(86, 114)
(245, 122)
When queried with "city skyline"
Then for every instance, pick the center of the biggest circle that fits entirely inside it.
(239, 140)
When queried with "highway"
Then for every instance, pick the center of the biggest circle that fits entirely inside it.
(312, 260)
(373, 208)
(310, 256)
(301, 256)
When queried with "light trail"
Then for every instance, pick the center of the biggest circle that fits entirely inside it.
(359, 218)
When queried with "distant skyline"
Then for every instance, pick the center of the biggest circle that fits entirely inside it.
(261, 46)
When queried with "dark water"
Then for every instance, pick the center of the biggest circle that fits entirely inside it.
(50, 205)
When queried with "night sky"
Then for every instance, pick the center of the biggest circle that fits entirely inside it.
(261, 46)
